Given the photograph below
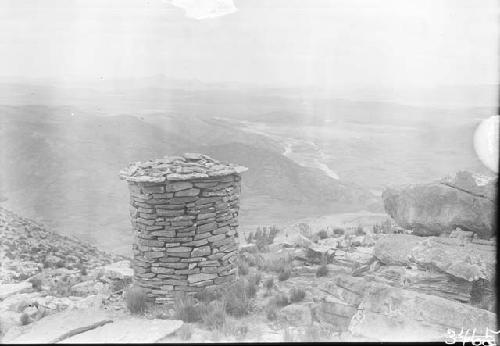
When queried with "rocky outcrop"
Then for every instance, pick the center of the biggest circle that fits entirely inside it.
(27, 248)
(466, 266)
(439, 207)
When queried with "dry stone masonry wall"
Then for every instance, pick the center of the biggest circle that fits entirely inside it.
(184, 210)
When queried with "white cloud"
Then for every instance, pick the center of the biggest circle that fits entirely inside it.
(202, 9)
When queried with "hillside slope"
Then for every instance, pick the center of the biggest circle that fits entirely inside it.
(63, 169)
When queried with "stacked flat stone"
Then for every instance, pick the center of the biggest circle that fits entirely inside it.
(184, 210)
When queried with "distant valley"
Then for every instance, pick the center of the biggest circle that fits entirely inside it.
(62, 149)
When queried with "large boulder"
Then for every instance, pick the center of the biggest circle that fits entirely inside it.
(441, 206)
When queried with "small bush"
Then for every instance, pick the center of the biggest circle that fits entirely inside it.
(242, 267)
(284, 275)
(277, 263)
(255, 279)
(322, 270)
(213, 315)
(360, 231)
(36, 283)
(297, 294)
(208, 294)
(250, 289)
(83, 271)
(136, 299)
(338, 231)
(279, 300)
(237, 299)
(262, 238)
(25, 319)
(186, 309)
(269, 283)
(323, 234)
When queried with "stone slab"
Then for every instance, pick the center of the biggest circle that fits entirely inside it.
(7, 290)
(57, 327)
(133, 330)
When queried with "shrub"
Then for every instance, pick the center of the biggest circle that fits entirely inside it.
(323, 234)
(36, 283)
(269, 283)
(262, 238)
(360, 231)
(213, 315)
(255, 279)
(322, 270)
(338, 231)
(297, 294)
(279, 300)
(277, 263)
(242, 267)
(25, 319)
(136, 300)
(237, 299)
(208, 294)
(284, 275)
(250, 288)
(83, 271)
(186, 309)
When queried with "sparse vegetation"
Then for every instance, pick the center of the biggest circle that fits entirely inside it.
(207, 295)
(36, 283)
(136, 299)
(284, 274)
(237, 298)
(213, 314)
(297, 294)
(262, 238)
(279, 300)
(323, 234)
(322, 270)
(338, 231)
(277, 263)
(242, 267)
(269, 284)
(255, 279)
(186, 308)
(24, 319)
(359, 231)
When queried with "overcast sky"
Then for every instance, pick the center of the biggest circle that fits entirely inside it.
(282, 42)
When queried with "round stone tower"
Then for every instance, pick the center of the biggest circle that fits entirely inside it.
(184, 210)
